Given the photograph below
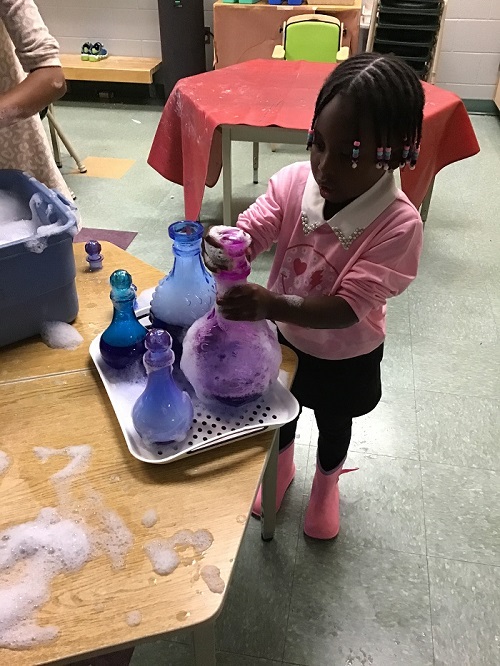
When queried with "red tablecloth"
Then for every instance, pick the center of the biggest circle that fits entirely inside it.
(187, 151)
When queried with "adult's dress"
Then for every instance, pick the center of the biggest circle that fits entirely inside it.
(25, 45)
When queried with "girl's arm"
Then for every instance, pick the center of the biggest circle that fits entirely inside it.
(38, 53)
(262, 221)
(251, 302)
(385, 270)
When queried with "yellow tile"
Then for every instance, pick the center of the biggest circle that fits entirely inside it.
(106, 167)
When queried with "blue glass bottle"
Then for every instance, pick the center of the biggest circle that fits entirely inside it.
(122, 342)
(162, 413)
(188, 291)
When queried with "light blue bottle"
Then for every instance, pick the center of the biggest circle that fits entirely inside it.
(188, 291)
(122, 342)
(163, 413)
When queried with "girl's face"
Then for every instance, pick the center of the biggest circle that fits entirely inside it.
(337, 127)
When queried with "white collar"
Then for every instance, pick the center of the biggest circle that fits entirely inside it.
(350, 222)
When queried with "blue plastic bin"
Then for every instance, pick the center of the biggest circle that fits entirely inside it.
(37, 287)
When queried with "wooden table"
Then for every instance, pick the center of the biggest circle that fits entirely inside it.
(247, 32)
(54, 398)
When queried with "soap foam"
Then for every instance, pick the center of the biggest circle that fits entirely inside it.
(115, 538)
(59, 335)
(80, 458)
(221, 233)
(47, 546)
(216, 258)
(15, 224)
(162, 556)
(293, 301)
(58, 541)
(149, 518)
(36, 245)
(134, 618)
(202, 540)
(109, 533)
(13, 208)
(164, 553)
(4, 462)
(33, 223)
(11, 232)
(211, 576)
(144, 298)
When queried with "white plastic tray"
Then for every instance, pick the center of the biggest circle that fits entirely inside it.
(212, 427)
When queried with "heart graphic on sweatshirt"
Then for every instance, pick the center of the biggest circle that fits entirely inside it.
(299, 266)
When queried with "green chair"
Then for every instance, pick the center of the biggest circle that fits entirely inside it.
(312, 37)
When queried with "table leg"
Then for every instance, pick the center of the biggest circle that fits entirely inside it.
(255, 162)
(424, 208)
(54, 125)
(226, 177)
(204, 644)
(269, 480)
(55, 143)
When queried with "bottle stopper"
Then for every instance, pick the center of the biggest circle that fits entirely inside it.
(94, 256)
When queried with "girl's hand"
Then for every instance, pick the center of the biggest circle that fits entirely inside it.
(246, 302)
(213, 256)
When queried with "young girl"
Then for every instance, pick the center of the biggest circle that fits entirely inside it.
(347, 239)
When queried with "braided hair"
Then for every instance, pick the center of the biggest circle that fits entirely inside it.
(387, 88)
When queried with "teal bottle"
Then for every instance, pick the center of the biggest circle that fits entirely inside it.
(122, 343)
(162, 413)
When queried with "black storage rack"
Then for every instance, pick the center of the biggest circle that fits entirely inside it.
(410, 30)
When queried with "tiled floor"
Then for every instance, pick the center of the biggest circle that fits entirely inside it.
(414, 577)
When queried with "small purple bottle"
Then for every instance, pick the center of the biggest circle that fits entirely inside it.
(94, 256)
(163, 413)
(233, 362)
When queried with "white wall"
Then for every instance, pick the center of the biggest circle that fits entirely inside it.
(126, 27)
(470, 51)
(468, 65)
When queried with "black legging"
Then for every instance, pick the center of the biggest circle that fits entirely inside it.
(337, 391)
(333, 441)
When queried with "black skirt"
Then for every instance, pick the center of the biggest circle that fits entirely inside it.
(346, 387)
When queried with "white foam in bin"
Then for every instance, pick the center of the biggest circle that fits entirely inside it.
(212, 427)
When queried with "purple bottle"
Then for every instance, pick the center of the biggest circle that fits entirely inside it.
(232, 362)
(94, 256)
(163, 413)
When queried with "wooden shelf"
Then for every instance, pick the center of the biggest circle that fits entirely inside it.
(118, 69)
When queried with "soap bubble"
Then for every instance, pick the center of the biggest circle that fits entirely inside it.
(59, 335)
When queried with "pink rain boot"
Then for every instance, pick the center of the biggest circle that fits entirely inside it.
(286, 472)
(322, 519)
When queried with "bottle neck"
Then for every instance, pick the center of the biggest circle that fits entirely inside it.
(240, 270)
(225, 280)
(158, 373)
(224, 283)
(123, 309)
(187, 259)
